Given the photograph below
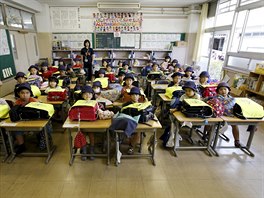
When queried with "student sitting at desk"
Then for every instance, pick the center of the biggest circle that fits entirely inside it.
(20, 78)
(228, 101)
(45, 72)
(61, 63)
(87, 94)
(203, 80)
(110, 73)
(126, 68)
(188, 76)
(77, 63)
(176, 79)
(53, 84)
(129, 79)
(97, 86)
(145, 70)
(70, 72)
(165, 65)
(34, 78)
(118, 85)
(135, 138)
(25, 96)
(64, 80)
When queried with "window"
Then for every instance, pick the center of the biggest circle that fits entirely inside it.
(27, 20)
(225, 14)
(13, 17)
(253, 38)
(238, 31)
(1, 16)
(245, 2)
(238, 62)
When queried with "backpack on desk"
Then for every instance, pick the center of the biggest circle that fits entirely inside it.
(84, 110)
(145, 110)
(154, 76)
(246, 108)
(57, 95)
(196, 108)
(32, 111)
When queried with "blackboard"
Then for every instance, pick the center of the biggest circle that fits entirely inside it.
(107, 40)
(7, 65)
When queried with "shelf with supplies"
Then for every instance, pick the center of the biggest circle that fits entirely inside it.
(255, 87)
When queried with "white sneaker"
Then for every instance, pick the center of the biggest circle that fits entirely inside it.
(119, 154)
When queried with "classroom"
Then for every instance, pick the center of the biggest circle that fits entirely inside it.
(132, 98)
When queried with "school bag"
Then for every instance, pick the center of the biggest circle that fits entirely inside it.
(104, 82)
(144, 110)
(154, 75)
(145, 71)
(64, 81)
(196, 108)
(35, 90)
(57, 95)
(32, 111)
(208, 90)
(4, 110)
(84, 110)
(246, 108)
(217, 106)
(175, 102)
(110, 76)
(79, 140)
(169, 91)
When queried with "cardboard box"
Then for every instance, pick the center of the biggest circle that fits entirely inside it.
(181, 43)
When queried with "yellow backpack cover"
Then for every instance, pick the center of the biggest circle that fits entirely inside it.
(169, 91)
(42, 106)
(90, 103)
(4, 111)
(138, 106)
(246, 108)
(104, 81)
(35, 90)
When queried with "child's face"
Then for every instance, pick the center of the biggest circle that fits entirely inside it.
(176, 79)
(121, 78)
(44, 68)
(21, 80)
(104, 64)
(189, 92)
(176, 69)
(129, 81)
(188, 73)
(62, 73)
(135, 97)
(24, 94)
(33, 71)
(223, 91)
(120, 64)
(87, 96)
(61, 63)
(155, 67)
(97, 89)
(52, 84)
(101, 75)
(108, 69)
(125, 67)
(203, 80)
(167, 59)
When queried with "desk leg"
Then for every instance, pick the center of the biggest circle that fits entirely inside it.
(215, 140)
(108, 146)
(175, 137)
(50, 148)
(71, 148)
(210, 140)
(154, 147)
(250, 138)
(13, 154)
(4, 145)
(117, 148)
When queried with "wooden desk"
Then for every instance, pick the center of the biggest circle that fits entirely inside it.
(87, 126)
(73, 80)
(158, 88)
(31, 125)
(181, 118)
(238, 121)
(165, 101)
(151, 126)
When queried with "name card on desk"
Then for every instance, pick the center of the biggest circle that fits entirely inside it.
(8, 124)
(68, 125)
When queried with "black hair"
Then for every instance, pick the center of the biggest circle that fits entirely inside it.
(86, 42)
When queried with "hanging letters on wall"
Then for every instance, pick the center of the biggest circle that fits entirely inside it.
(117, 22)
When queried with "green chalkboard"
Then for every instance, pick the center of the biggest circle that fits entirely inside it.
(107, 40)
(7, 65)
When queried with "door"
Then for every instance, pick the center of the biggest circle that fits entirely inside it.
(25, 50)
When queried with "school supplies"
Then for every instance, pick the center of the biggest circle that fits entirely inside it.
(4, 110)
(209, 90)
(169, 91)
(196, 108)
(246, 108)
(84, 110)
(104, 81)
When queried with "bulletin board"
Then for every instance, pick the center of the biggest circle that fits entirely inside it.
(7, 65)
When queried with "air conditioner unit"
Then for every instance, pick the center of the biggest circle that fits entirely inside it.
(118, 7)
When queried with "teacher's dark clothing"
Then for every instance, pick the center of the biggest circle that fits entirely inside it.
(87, 62)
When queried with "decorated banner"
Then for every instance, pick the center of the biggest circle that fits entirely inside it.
(117, 22)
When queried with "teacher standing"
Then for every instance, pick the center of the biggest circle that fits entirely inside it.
(88, 59)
